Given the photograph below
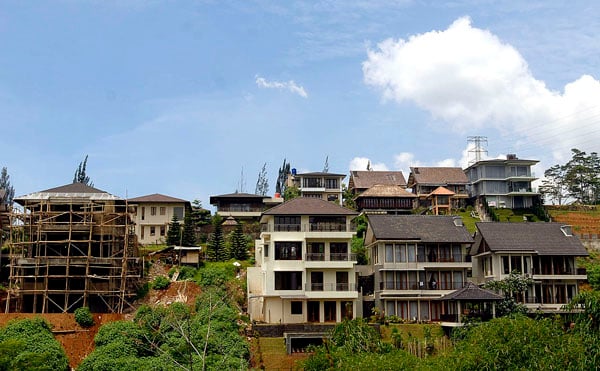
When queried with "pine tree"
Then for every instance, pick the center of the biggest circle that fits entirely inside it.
(239, 244)
(80, 176)
(262, 184)
(284, 170)
(216, 250)
(5, 184)
(326, 166)
(189, 230)
(174, 232)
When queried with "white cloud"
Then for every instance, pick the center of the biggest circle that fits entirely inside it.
(360, 163)
(290, 85)
(468, 78)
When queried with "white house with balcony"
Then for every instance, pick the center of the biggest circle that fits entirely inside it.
(417, 259)
(546, 252)
(305, 271)
(503, 182)
(325, 186)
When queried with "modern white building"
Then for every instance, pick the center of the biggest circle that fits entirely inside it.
(305, 271)
(325, 186)
(503, 182)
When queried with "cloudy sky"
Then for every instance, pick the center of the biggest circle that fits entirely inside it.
(191, 98)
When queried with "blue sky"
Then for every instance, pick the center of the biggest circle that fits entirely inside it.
(181, 97)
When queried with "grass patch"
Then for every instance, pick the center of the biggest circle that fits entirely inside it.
(468, 220)
(408, 330)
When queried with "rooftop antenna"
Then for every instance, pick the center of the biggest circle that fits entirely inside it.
(479, 147)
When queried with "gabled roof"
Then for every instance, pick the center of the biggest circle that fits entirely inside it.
(68, 191)
(320, 173)
(436, 175)
(156, 198)
(309, 206)
(471, 292)
(540, 238)
(367, 179)
(441, 191)
(381, 190)
(426, 228)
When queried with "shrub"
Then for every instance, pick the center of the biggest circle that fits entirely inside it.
(84, 317)
(160, 283)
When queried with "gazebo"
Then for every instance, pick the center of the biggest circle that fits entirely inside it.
(470, 301)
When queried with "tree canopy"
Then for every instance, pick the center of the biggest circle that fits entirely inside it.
(578, 179)
(262, 183)
(8, 188)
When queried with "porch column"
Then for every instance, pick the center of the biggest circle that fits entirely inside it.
(459, 311)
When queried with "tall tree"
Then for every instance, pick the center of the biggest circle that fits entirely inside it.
(238, 243)
(8, 188)
(216, 250)
(326, 166)
(80, 175)
(200, 216)
(582, 176)
(174, 232)
(284, 170)
(262, 184)
(188, 237)
(554, 186)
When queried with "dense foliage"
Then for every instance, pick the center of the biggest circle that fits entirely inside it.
(29, 345)
(160, 283)
(216, 249)
(238, 243)
(80, 176)
(174, 337)
(188, 236)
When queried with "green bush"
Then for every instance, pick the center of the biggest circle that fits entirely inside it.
(84, 317)
(160, 283)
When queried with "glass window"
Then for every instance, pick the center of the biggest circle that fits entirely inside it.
(153, 210)
(288, 250)
(389, 253)
(288, 280)
(152, 230)
(296, 307)
(412, 253)
(163, 210)
(390, 308)
(505, 266)
(162, 230)
(178, 211)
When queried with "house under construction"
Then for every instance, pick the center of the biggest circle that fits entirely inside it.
(72, 246)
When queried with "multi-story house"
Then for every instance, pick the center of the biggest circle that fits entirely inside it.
(416, 259)
(304, 266)
(425, 180)
(243, 206)
(326, 186)
(546, 252)
(360, 181)
(153, 214)
(73, 246)
(503, 182)
(385, 199)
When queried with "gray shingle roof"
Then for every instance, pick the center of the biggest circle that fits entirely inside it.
(309, 206)
(542, 238)
(69, 191)
(367, 179)
(426, 228)
(471, 292)
(437, 175)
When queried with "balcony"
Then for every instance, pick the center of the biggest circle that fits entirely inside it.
(310, 227)
(330, 257)
(344, 287)
(391, 285)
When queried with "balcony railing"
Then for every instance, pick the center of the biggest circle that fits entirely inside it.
(330, 287)
(392, 285)
(312, 227)
(558, 271)
(330, 257)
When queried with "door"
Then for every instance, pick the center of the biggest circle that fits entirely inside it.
(313, 308)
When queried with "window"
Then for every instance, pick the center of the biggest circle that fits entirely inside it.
(143, 213)
(332, 197)
(266, 250)
(153, 210)
(288, 280)
(316, 281)
(331, 183)
(505, 266)
(389, 253)
(341, 281)
(287, 223)
(288, 250)
(339, 251)
(142, 232)
(162, 230)
(163, 210)
(296, 307)
(152, 230)
(178, 211)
